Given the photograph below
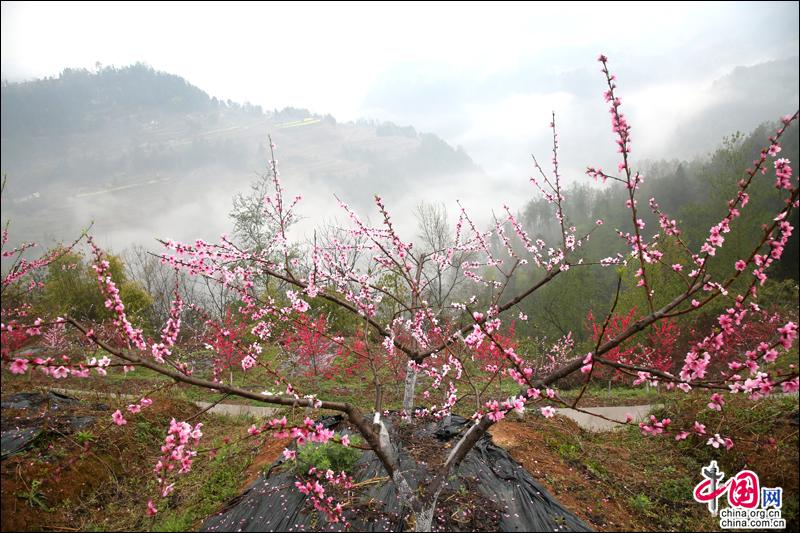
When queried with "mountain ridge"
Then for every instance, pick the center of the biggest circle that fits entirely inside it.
(73, 143)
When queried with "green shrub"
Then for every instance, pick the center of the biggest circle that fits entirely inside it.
(326, 456)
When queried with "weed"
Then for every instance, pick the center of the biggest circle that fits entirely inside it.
(676, 491)
(82, 437)
(147, 432)
(642, 504)
(34, 495)
(569, 452)
(596, 469)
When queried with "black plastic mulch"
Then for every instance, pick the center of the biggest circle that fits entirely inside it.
(272, 503)
(18, 433)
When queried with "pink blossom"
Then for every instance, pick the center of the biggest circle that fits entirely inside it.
(548, 411)
(495, 413)
(783, 174)
(587, 364)
(60, 372)
(790, 386)
(289, 455)
(655, 427)
(788, 335)
(19, 366)
(716, 402)
(118, 418)
(516, 403)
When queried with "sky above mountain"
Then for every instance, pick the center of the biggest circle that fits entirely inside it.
(482, 75)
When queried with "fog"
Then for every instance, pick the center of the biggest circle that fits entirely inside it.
(483, 76)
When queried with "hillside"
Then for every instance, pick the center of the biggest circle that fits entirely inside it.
(89, 146)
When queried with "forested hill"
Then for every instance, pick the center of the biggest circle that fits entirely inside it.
(695, 193)
(136, 149)
(79, 101)
(742, 99)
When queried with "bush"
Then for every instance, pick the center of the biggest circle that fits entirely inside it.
(328, 456)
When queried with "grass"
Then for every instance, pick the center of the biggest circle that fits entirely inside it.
(83, 437)
(140, 374)
(655, 477)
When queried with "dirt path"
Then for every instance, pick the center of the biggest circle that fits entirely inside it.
(593, 423)
(228, 409)
(583, 419)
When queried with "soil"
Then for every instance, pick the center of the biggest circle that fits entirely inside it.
(421, 445)
(462, 510)
(265, 456)
(56, 469)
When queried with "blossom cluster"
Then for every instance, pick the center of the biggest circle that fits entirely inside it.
(314, 488)
(177, 456)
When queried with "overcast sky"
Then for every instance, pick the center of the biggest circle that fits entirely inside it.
(482, 75)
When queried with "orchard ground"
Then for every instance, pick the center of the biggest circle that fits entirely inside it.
(612, 480)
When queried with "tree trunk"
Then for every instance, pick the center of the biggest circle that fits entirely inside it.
(421, 511)
(408, 395)
(423, 519)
